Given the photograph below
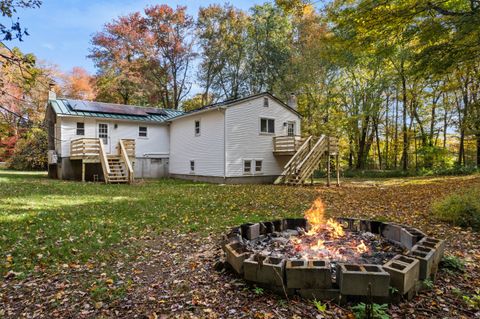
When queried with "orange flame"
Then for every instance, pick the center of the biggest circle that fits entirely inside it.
(315, 215)
(362, 248)
(316, 218)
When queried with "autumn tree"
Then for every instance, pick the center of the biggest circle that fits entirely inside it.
(118, 59)
(78, 84)
(168, 52)
(222, 33)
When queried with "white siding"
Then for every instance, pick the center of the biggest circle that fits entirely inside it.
(207, 149)
(244, 140)
(157, 140)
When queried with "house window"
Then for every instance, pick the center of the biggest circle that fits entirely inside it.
(80, 128)
(247, 166)
(258, 166)
(192, 166)
(197, 128)
(267, 126)
(265, 102)
(142, 131)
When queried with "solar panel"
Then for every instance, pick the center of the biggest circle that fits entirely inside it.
(99, 107)
(152, 110)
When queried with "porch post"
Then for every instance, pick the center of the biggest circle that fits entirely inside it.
(83, 171)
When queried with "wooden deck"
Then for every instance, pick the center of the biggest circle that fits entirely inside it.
(287, 145)
(85, 149)
(117, 168)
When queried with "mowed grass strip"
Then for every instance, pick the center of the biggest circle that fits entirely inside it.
(48, 223)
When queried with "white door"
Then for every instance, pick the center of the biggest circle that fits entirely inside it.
(103, 134)
(291, 128)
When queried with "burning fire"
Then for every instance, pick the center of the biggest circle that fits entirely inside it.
(326, 238)
(316, 219)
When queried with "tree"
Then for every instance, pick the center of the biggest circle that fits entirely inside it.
(270, 35)
(77, 84)
(9, 8)
(117, 57)
(223, 37)
(145, 59)
(168, 52)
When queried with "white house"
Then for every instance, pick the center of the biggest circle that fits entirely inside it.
(247, 140)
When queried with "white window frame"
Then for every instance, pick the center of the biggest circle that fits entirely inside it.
(195, 127)
(260, 126)
(243, 166)
(260, 172)
(105, 139)
(83, 129)
(146, 131)
(294, 127)
(266, 102)
(192, 171)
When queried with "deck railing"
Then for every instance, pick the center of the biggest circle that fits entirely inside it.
(104, 160)
(84, 148)
(287, 144)
(126, 149)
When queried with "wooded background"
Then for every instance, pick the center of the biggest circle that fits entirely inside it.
(397, 81)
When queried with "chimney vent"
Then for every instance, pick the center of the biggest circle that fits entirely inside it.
(292, 101)
(51, 93)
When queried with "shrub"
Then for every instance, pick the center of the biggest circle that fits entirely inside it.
(30, 151)
(461, 209)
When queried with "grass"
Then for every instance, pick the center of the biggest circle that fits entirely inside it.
(49, 223)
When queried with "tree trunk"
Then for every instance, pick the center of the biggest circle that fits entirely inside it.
(377, 138)
(405, 133)
(395, 144)
(477, 136)
(386, 131)
(445, 122)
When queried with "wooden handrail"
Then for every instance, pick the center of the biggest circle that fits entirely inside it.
(104, 160)
(126, 160)
(300, 150)
(320, 140)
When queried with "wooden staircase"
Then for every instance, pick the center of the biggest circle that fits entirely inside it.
(118, 168)
(118, 171)
(307, 159)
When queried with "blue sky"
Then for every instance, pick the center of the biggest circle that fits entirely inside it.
(60, 30)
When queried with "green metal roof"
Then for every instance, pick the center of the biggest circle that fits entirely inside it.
(64, 107)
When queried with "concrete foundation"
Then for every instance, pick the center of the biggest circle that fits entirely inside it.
(227, 180)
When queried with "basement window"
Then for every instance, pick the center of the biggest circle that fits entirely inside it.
(258, 166)
(267, 126)
(80, 128)
(142, 131)
(192, 166)
(247, 167)
(197, 128)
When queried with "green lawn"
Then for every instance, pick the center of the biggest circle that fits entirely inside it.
(47, 223)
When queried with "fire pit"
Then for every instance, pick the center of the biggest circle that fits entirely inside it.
(338, 259)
